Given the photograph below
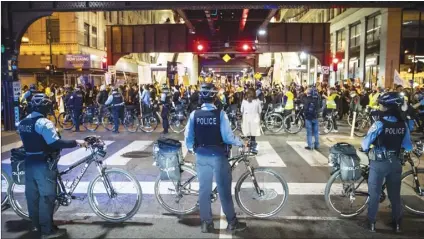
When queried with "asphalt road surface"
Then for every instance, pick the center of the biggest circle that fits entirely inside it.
(305, 214)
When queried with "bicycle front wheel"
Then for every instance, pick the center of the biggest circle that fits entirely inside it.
(65, 121)
(325, 126)
(149, 124)
(5, 182)
(347, 199)
(115, 188)
(107, 122)
(293, 124)
(179, 197)
(412, 195)
(90, 122)
(274, 123)
(268, 195)
(361, 127)
(131, 123)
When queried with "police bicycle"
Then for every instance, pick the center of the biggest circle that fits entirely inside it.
(89, 118)
(351, 199)
(274, 191)
(363, 124)
(104, 191)
(326, 124)
(271, 120)
(5, 182)
(295, 122)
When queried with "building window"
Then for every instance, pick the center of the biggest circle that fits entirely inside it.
(340, 41)
(410, 24)
(94, 37)
(355, 34)
(104, 40)
(104, 15)
(86, 34)
(52, 26)
(110, 16)
(373, 30)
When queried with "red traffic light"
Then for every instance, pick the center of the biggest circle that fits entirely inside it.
(335, 60)
(246, 47)
(200, 47)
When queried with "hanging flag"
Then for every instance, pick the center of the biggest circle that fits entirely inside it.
(398, 80)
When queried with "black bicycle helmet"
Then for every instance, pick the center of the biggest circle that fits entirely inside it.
(391, 100)
(40, 103)
(32, 87)
(207, 92)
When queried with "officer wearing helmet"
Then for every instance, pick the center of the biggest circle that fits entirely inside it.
(165, 100)
(40, 139)
(388, 136)
(76, 103)
(30, 93)
(116, 100)
(207, 132)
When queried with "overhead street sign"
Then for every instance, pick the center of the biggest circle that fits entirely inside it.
(226, 58)
(325, 70)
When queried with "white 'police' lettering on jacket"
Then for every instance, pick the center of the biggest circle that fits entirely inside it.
(25, 128)
(394, 131)
(206, 121)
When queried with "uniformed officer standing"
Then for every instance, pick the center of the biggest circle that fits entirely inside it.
(76, 103)
(165, 100)
(388, 135)
(207, 132)
(39, 137)
(116, 100)
(30, 93)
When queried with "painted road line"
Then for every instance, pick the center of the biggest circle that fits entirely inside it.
(9, 147)
(168, 188)
(312, 157)
(267, 157)
(223, 226)
(118, 159)
(69, 158)
(76, 155)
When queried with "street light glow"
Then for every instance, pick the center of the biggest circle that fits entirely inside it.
(302, 55)
(261, 32)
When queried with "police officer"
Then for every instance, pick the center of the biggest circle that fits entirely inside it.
(76, 103)
(116, 100)
(101, 100)
(30, 93)
(388, 135)
(165, 100)
(207, 132)
(66, 96)
(39, 137)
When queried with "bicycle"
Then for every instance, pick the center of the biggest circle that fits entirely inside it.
(5, 182)
(326, 124)
(102, 182)
(147, 123)
(412, 189)
(363, 124)
(295, 118)
(186, 187)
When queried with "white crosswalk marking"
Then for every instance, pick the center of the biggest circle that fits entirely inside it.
(118, 159)
(267, 157)
(148, 188)
(9, 147)
(69, 158)
(74, 156)
(312, 157)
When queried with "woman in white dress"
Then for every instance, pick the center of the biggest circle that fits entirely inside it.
(251, 110)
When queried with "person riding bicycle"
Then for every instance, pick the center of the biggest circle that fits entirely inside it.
(39, 137)
(116, 100)
(207, 132)
(388, 135)
(76, 103)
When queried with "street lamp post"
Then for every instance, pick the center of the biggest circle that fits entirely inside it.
(50, 45)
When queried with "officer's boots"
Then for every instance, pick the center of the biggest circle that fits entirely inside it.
(395, 226)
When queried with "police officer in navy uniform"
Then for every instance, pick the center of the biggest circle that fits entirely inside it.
(207, 133)
(30, 93)
(116, 100)
(39, 137)
(165, 100)
(76, 103)
(388, 136)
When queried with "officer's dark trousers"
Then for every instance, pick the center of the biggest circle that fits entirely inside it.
(391, 171)
(117, 112)
(165, 120)
(76, 118)
(40, 192)
(209, 165)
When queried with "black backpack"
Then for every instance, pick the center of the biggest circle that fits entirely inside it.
(311, 109)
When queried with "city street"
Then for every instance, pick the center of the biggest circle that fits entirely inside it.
(305, 215)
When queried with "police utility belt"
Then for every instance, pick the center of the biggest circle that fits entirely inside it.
(383, 155)
(52, 158)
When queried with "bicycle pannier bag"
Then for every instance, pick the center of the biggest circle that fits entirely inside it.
(18, 165)
(168, 156)
(343, 156)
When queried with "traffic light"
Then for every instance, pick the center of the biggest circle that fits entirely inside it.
(50, 69)
(104, 63)
(200, 47)
(335, 63)
(247, 47)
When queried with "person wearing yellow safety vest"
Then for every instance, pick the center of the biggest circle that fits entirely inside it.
(288, 102)
(373, 104)
(331, 106)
